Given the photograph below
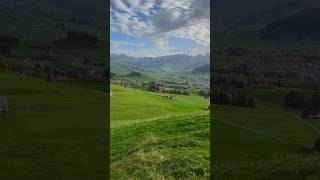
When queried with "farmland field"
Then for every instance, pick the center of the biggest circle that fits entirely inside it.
(52, 131)
(266, 142)
(155, 138)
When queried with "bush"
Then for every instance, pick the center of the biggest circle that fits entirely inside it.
(236, 99)
(7, 44)
(316, 145)
(294, 99)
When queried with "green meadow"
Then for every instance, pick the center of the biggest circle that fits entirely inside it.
(266, 142)
(52, 131)
(157, 138)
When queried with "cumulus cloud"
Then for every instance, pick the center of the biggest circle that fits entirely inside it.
(162, 19)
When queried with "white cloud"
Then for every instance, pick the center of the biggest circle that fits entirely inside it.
(160, 20)
(162, 44)
(120, 5)
(199, 33)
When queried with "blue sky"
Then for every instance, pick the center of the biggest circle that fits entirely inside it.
(160, 27)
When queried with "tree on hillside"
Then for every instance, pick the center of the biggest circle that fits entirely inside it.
(37, 70)
(7, 43)
(107, 74)
(235, 99)
(153, 86)
(204, 93)
(75, 39)
(316, 145)
(49, 77)
(294, 99)
(134, 74)
(85, 61)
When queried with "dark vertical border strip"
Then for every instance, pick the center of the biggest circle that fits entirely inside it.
(107, 61)
(211, 100)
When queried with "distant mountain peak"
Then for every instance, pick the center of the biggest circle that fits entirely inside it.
(177, 61)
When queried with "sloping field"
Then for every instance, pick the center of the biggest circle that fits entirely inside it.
(266, 142)
(129, 104)
(52, 131)
(156, 138)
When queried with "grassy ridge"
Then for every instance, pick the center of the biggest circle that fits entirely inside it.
(267, 142)
(155, 138)
(138, 104)
(277, 122)
(52, 131)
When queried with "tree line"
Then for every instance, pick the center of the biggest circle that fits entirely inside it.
(233, 99)
(163, 88)
(307, 102)
(7, 43)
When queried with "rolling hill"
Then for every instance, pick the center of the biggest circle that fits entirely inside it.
(269, 141)
(228, 13)
(261, 24)
(158, 137)
(202, 69)
(52, 130)
(77, 8)
(278, 11)
(48, 19)
(300, 25)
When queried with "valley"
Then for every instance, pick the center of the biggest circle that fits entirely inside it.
(159, 119)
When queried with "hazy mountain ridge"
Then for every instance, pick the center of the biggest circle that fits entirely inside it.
(51, 19)
(227, 13)
(276, 12)
(177, 62)
(77, 8)
(284, 21)
(252, 15)
(202, 69)
(302, 24)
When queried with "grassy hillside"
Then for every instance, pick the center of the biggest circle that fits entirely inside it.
(52, 131)
(299, 25)
(275, 12)
(226, 16)
(265, 142)
(158, 137)
(140, 104)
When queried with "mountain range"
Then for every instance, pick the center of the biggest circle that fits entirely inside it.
(177, 62)
(301, 25)
(252, 15)
(253, 22)
(77, 8)
(50, 19)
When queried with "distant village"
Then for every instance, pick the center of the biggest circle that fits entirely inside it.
(241, 68)
(303, 65)
(72, 71)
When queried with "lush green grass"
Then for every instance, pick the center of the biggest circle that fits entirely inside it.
(138, 104)
(155, 138)
(52, 131)
(267, 142)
